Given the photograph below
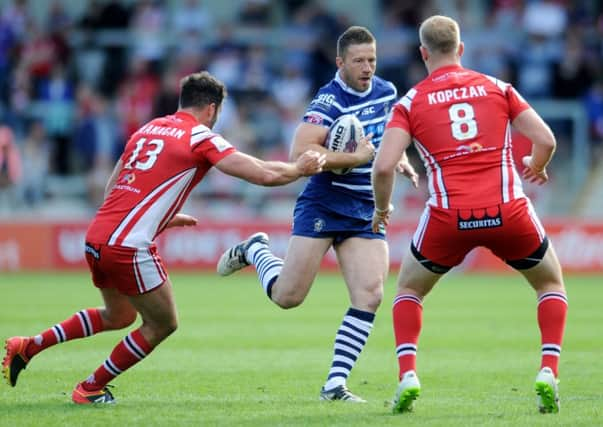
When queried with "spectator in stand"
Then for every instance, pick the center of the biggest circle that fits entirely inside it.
(147, 25)
(255, 13)
(136, 95)
(594, 109)
(17, 15)
(56, 95)
(226, 59)
(166, 100)
(10, 168)
(36, 161)
(571, 74)
(95, 141)
(191, 16)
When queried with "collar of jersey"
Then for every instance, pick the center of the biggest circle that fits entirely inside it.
(445, 69)
(183, 115)
(348, 89)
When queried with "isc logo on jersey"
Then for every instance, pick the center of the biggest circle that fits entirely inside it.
(344, 134)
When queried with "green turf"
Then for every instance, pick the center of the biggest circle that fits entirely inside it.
(236, 359)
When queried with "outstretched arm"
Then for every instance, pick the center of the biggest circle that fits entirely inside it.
(271, 173)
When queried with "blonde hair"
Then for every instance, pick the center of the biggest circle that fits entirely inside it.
(440, 34)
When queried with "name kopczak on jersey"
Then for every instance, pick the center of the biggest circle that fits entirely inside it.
(350, 194)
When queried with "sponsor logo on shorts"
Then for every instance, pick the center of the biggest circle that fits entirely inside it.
(92, 251)
(319, 225)
(474, 219)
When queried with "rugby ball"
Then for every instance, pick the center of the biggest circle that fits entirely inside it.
(343, 137)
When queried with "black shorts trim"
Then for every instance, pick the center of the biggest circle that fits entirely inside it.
(531, 260)
(430, 265)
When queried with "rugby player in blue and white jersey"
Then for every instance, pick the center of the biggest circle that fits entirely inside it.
(334, 210)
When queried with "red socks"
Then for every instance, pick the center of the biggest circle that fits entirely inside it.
(407, 318)
(552, 311)
(131, 350)
(82, 324)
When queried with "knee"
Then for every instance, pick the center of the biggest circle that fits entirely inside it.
(158, 331)
(168, 328)
(287, 300)
(112, 320)
(368, 298)
(374, 296)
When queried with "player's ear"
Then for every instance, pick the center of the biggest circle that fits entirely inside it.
(461, 49)
(339, 61)
(424, 53)
(211, 109)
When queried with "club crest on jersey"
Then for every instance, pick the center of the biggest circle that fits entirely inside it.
(128, 178)
(319, 225)
(315, 119)
(474, 219)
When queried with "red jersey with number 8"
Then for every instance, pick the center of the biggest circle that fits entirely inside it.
(162, 163)
(460, 122)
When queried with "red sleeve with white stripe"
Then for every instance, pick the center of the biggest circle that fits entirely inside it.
(209, 145)
(516, 102)
(399, 118)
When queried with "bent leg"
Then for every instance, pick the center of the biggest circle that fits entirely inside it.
(117, 313)
(159, 320)
(301, 264)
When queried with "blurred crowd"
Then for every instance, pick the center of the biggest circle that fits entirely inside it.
(73, 87)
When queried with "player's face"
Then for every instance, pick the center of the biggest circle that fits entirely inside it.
(358, 65)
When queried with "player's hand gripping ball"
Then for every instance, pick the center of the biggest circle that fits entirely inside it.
(344, 135)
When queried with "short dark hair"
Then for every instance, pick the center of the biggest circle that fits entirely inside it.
(353, 35)
(201, 89)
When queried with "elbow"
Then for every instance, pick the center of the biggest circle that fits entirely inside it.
(268, 179)
(548, 140)
(552, 142)
(380, 171)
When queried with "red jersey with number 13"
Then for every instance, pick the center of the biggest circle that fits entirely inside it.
(162, 163)
(460, 122)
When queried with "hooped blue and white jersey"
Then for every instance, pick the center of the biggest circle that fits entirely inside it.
(349, 194)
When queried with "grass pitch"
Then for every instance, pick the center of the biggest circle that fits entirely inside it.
(237, 359)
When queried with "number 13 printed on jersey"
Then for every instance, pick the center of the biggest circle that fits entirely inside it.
(154, 148)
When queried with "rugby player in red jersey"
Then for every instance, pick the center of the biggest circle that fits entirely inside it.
(161, 163)
(460, 122)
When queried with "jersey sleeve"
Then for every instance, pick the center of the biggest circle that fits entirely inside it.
(399, 118)
(209, 145)
(517, 103)
(321, 110)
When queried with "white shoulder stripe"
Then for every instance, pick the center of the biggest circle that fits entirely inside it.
(406, 100)
(199, 128)
(500, 84)
(200, 136)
